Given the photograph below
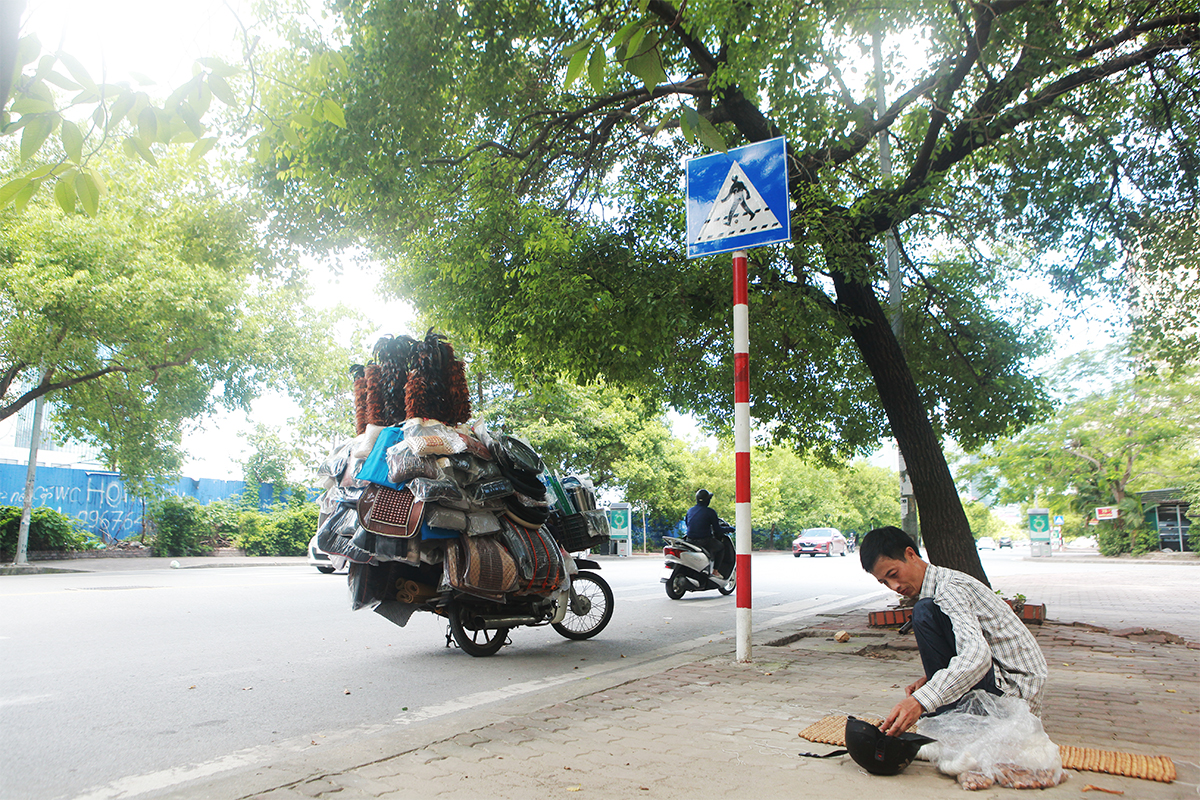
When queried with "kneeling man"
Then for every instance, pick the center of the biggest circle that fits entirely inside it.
(968, 637)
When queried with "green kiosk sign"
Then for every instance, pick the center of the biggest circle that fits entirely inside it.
(619, 527)
(1039, 531)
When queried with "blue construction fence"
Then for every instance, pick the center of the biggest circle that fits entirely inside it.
(99, 500)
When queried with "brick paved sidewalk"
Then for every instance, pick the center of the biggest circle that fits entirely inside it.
(716, 728)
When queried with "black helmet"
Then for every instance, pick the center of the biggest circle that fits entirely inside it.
(878, 753)
(703, 496)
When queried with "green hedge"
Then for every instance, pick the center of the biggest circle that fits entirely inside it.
(284, 531)
(181, 527)
(48, 530)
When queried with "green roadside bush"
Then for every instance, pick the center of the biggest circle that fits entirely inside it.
(48, 530)
(181, 526)
(284, 531)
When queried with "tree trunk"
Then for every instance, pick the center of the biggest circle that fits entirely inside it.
(944, 526)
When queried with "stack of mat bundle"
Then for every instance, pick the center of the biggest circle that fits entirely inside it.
(422, 501)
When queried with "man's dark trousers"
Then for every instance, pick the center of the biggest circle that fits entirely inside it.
(935, 641)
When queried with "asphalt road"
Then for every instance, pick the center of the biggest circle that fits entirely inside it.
(117, 684)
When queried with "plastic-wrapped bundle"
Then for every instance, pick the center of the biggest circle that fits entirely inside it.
(338, 535)
(404, 464)
(987, 739)
(331, 469)
(428, 437)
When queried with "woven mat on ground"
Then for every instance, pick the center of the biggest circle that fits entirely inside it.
(1087, 759)
(832, 730)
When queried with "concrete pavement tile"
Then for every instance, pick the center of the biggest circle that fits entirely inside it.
(365, 785)
(283, 793)
(316, 788)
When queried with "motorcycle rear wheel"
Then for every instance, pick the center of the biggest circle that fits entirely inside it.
(676, 585)
(597, 597)
(476, 642)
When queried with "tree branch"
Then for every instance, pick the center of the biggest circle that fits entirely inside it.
(45, 388)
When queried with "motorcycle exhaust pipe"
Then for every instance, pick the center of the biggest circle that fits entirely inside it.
(490, 623)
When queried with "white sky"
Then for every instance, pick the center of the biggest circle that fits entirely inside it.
(160, 39)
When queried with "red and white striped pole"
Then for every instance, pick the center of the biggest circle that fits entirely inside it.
(741, 448)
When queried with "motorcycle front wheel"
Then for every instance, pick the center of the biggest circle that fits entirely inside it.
(594, 601)
(475, 642)
(732, 586)
(676, 585)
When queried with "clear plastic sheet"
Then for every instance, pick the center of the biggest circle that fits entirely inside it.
(404, 464)
(442, 517)
(336, 533)
(429, 437)
(331, 469)
(431, 491)
(987, 739)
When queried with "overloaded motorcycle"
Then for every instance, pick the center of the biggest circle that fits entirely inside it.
(689, 568)
(458, 540)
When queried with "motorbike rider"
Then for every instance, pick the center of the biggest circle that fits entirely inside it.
(704, 528)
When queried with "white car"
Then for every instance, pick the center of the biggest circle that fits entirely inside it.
(324, 562)
(986, 543)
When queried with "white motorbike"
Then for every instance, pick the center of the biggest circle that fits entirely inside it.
(689, 568)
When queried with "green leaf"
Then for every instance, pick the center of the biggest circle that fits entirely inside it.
(77, 71)
(147, 123)
(643, 5)
(333, 112)
(27, 50)
(621, 35)
(35, 134)
(64, 195)
(88, 192)
(31, 105)
(136, 147)
(201, 148)
(191, 119)
(596, 65)
(72, 141)
(218, 67)
(575, 67)
(634, 41)
(647, 65)
(221, 90)
(10, 189)
(685, 125)
(61, 82)
(22, 197)
(120, 108)
(142, 80)
(711, 137)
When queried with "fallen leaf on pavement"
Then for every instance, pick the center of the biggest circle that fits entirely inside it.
(1093, 788)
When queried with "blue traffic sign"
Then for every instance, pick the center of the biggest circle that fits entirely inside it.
(738, 200)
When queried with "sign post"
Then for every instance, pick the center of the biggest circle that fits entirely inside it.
(735, 201)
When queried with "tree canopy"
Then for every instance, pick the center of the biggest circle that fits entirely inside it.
(518, 164)
(157, 310)
(1114, 437)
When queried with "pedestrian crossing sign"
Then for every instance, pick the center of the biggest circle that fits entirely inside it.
(738, 200)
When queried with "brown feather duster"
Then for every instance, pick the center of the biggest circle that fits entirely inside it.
(459, 399)
(375, 412)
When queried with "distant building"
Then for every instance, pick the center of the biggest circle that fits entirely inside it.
(1166, 510)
